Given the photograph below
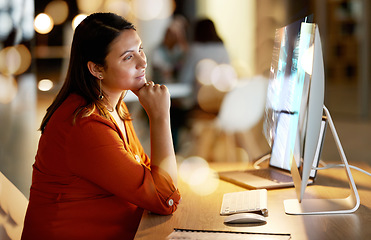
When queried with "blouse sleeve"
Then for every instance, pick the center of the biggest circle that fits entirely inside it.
(97, 153)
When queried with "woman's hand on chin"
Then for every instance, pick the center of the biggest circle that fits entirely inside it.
(136, 92)
(155, 99)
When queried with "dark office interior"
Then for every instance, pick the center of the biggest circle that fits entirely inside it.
(247, 29)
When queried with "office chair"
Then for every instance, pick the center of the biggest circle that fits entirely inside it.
(13, 205)
(236, 133)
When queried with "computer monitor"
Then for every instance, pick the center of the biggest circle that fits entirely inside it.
(294, 124)
(313, 116)
(287, 95)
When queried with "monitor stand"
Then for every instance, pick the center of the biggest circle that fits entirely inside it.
(327, 206)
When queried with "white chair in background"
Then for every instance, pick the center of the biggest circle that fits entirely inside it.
(241, 110)
(13, 205)
(243, 107)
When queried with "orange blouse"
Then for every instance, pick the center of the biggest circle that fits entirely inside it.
(89, 182)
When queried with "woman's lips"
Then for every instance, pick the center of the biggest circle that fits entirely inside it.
(142, 76)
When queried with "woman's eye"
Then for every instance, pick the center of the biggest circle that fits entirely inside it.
(128, 57)
(141, 49)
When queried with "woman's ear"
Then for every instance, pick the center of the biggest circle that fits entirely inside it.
(95, 69)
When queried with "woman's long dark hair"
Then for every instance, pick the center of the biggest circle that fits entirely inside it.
(91, 42)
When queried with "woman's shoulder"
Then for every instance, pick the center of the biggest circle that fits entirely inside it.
(75, 110)
(72, 102)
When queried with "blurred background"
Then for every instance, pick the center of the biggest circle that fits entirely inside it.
(35, 38)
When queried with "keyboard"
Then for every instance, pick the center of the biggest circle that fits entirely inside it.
(245, 201)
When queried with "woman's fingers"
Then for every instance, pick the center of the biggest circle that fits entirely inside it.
(150, 83)
(155, 98)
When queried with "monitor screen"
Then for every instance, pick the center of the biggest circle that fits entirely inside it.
(294, 122)
(287, 96)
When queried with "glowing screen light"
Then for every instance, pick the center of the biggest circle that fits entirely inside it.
(43, 23)
(307, 60)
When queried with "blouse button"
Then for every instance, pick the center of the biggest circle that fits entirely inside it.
(171, 202)
(137, 158)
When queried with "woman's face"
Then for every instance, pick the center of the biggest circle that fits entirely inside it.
(125, 64)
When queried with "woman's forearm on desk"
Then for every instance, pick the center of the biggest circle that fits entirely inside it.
(155, 99)
(162, 151)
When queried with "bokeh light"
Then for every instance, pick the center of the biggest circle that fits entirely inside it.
(15, 60)
(224, 77)
(10, 60)
(121, 7)
(167, 9)
(215, 80)
(203, 70)
(8, 88)
(153, 9)
(89, 6)
(26, 59)
(43, 23)
(58, 10)
(45, 85)
(195, 171)
(77, 20)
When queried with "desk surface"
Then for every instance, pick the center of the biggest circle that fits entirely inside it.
(202, 212)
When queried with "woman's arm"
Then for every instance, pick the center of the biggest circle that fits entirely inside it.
(155, 99)
(96, 152)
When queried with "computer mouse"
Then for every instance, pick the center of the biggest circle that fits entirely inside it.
(245, 218)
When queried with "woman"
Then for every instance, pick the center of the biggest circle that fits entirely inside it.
(91, 178)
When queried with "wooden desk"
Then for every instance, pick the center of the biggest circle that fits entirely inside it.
(202, 212)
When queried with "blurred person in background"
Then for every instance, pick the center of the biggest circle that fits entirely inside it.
(167, 61)
(91, 176)
(168, 57)
(206, 44)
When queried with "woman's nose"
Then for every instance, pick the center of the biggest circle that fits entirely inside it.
(142, 62)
